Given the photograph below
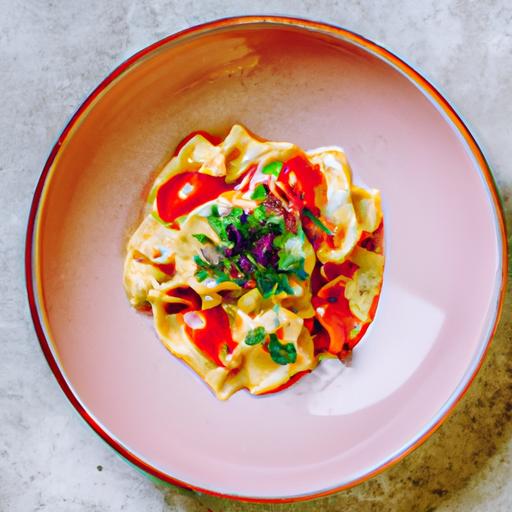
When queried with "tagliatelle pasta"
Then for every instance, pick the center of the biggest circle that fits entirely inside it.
(257, 259)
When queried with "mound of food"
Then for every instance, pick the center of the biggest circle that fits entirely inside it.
(257, 259)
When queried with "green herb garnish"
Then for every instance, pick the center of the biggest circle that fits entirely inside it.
(233, 217)
(200, 262)
(219, 227)
(270, 282)
(266, 283)
(281, 353)
(291, 253)
(273, 168)
(255, 336)
(218, 271)
(260, 192)
(221, 277)
(260, 213)
(220, 223)
(253, 247)
(202, 238)
(201, 275)
(283, 285)
(316, 221)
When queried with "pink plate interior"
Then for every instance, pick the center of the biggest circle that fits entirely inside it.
(441, 285)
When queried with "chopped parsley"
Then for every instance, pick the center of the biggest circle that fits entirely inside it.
(291, 254)
(260, 192)
(271, 282)
(281, 353)
(255, 336)
(201, 275)
(273, 168)
(200, 262)
(202, 238)
(260, 213)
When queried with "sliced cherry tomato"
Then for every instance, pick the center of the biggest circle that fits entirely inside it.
(303, 182)
(317, 279)
(189, 300)
(166, 268)
(333, 312)
(333, 270)
(186, 191)
(373, 241)
(316, 235)
(309, 324)
(210, 332)
(321, 342)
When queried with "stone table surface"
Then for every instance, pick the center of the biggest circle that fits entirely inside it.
(52, 53)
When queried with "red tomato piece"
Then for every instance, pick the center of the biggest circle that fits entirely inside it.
(302, 182)
(186, 191)
(333, 312)
(190, 300)
(333, 270)
(212, 332)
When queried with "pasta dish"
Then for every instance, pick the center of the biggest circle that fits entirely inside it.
(256, 259)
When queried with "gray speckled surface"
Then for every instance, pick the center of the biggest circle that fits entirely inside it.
(51, 55)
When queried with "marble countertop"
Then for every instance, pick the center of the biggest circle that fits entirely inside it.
(51, 55)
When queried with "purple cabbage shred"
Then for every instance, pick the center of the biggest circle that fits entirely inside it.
(263, 249)
(236, 237)
(245, 264)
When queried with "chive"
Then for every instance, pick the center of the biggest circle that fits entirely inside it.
(316, 221)
(273, 168)
(260, 192)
